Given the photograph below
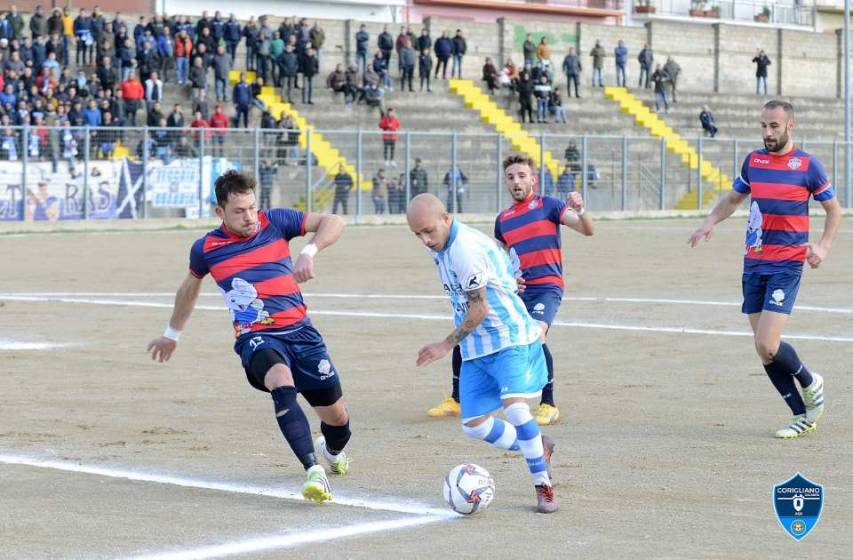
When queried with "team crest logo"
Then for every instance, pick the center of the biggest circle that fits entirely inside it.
(539, 308)
(324, 368)
(533, 204)
(798, 503)
(777, 297)
(795, 163)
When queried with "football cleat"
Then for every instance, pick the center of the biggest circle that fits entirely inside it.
(799, 426)
(447, 407)
(546, 500)
(316, 488)
(813, 397)
(338, 464)
(546, 414)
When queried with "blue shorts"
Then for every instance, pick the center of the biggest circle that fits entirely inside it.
(302, 351)
(542, 304)
(770, 292)
(517, 371)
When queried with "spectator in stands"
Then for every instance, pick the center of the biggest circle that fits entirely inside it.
(267, 170)
(242, 97)
(418, 179)
(153, 90)
(380, 191)
(555, 107)
(528, 50)
(176, 120)
(250, 32)
(343, 186)
(672, 70)
(572, 69)
(362, 38)
(565, 182)
(706, 118)
(198, 80)
(85, 40)
(108, 76)
(351, 88)
(183, 49)
(762, 61)
(620, 54)
(660, 80)
(398, 45)
(646, 59)
(407, 63)
(543, 51)
(424, 41)
(597, 53)
(386, 44)
(424, 68)
(221, 71)
(219, 124)
(397, 194)
(131, 93)
(155, 115)
(276, 50)
(337, 79)
(443, 51)
(289, 69)
(380, 68)
(573, 156)
(310, 68)
(317, 38)
(165, 52)
(455, 180)
(125, 57)
(232, 34)
(490, 75)
(460, 47)
(91, 114)
(148, 60)
(390, 124)
(542, 92)
(524, 87)
(373, 96)
(201, 125)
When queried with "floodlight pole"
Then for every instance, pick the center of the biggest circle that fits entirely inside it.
(848, 188)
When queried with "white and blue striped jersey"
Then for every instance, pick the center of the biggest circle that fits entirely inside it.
(471, 260)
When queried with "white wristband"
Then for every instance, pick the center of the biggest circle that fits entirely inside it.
(309, 250)
(581, 212)
(172, 334)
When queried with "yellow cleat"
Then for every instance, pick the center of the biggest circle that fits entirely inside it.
(316, 488)
(447, 407)
(546, 414)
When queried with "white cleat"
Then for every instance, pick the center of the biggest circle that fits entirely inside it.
(316, 488)
(799, 426)
(813, 397)
(338, 464)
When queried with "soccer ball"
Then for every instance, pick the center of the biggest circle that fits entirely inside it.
(468, 488)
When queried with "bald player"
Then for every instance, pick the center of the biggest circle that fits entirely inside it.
(502, 360)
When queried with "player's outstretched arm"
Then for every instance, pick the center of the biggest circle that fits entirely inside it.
(722, 210)
(162, 347)
(327, 229)
(578, 220)
(817, 251)
(478, 308)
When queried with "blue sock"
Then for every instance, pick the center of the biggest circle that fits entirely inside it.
(294, 425)
(787, 358)
(548, 390)
(784, 383)
(456, 362)
(529, 440)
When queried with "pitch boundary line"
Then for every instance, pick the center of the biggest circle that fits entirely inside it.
(344, 295)
(429, 317)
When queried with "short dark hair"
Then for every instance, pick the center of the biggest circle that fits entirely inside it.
(232, 182)
(518, 158)
(778, 104)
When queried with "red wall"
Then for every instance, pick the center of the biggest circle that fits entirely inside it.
(125, 6)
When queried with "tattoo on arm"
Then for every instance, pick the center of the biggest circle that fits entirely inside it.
(475, 298)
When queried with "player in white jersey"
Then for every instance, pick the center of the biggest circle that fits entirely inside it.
(502, 360)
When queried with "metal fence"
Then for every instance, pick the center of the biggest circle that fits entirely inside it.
(100, 173)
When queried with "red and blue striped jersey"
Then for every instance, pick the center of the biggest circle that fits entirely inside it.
(778, 226)
(255, 274)
(532, 229)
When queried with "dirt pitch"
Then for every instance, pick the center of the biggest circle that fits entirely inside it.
(664, 448)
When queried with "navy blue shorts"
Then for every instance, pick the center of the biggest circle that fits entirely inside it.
(302, 351)
(542, 303)
(770, 292)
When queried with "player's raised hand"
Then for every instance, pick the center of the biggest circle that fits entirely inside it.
(575, 201)
(161, 348)
(815, 254)
(704, 231)
(304, 269)
(432, 352)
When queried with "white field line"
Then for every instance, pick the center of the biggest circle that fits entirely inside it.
(15, 345)
(230, 487)
(290, 540)
(593, 299)
(429, 317)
